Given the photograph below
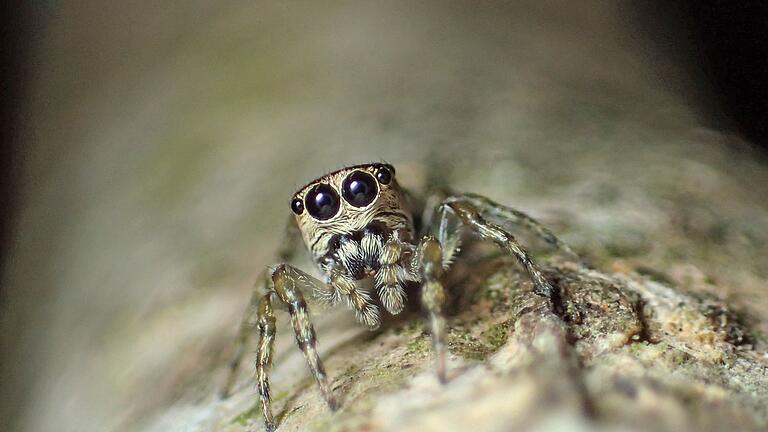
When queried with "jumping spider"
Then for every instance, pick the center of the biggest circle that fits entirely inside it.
(358, 225)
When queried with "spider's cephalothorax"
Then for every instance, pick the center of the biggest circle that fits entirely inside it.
(357, 225)
(349, 202)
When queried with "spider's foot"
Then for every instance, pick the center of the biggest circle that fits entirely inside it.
(545, 290)
(333, 404)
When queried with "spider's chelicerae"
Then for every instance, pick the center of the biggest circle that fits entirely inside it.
(358, 225)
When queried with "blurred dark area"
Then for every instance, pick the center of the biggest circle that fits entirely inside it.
(732, 42)
(726, 44)
(15, 44)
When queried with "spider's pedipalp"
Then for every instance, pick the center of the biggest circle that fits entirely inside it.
(389, 279)
(366, 312)
(245, 331)
(267, 329)
(287, 250)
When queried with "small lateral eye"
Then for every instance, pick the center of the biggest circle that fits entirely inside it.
(297, 206)
(322, 202)
(359, 189)
(384, 174)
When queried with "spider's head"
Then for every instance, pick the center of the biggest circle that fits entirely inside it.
(349, 201)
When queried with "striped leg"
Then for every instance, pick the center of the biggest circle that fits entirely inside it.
(503, 214)
(430, 256)
(288, 249)
(285, 282)
(470, 216)
(245, 330)
(284, 285)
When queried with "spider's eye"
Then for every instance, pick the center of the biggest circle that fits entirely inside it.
(359, 189)
(297, 206)
(384, 175)
(322, 202)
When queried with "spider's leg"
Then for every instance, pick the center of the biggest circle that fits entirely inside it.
(434, 221)
(285, 287)
(490, 208)
(430, 261)
(286, 252)
(244, 332)
(285, 279)
(267, 329)
(390, 277)
(470, 216)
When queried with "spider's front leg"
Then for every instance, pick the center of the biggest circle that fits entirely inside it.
(285, 287)
(289, 247)
(508, 214)
(267, 328)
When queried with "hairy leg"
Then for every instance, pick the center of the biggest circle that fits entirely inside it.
(267, 329)
(435, 222)
(470, 216)
(502, 213)
(285, 283)
(285, 286)
(287, 251)
(244, 332)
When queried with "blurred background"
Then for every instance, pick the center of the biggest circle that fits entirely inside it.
(150, 148)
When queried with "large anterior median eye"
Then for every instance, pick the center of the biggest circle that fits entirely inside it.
(322, 202)
(359, 189)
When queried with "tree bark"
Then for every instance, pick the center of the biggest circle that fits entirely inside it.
(162, 157)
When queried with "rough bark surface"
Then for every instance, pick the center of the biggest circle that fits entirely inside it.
(623, 352)
(161, 158)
